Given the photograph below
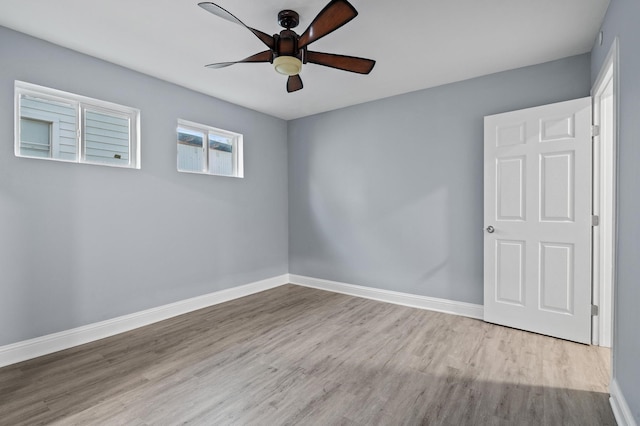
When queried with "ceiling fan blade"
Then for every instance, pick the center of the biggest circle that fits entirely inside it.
(225, 14)
(333, 16)
(341, 62)
(294, 83)
(266, 56)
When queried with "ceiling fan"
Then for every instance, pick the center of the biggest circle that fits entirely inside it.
(288, 50)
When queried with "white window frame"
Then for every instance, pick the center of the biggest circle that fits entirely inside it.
(236, 150)
(81, 104)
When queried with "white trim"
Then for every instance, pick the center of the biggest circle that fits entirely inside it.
(32, 348)
(405, 299)
(604, 203)
(619, 405)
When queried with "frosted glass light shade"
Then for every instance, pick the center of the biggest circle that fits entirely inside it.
(287, 65)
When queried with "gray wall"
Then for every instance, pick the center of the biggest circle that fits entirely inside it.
(82, 243)
(622, 20)
(388, 194)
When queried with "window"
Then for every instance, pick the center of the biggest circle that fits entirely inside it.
(205, 149)
(57, 125)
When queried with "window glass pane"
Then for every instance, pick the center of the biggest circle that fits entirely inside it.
(220, 155)
(35, 136)
(190, 150)
(61, 120)
(106, 137)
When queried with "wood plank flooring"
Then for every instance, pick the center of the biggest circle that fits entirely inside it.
(300, 356)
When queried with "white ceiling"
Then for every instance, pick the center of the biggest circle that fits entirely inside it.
(417, 43)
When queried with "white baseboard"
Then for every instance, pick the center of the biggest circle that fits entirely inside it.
(32, 348)
(405, 299)
(619, 405)
(39, 346)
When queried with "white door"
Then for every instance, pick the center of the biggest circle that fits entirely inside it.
(537, 212)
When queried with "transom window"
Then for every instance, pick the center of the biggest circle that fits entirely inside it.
(56, 125)
(208, 150)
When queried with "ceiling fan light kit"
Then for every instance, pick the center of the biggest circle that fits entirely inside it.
(288, 51)
(287, 65)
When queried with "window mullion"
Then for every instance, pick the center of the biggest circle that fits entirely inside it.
(80, 136)
(205, 146)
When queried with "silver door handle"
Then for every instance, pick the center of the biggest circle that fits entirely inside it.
(491, 229)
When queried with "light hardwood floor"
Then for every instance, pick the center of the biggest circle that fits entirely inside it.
(299, 356)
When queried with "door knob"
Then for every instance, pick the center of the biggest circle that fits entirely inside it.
(490, 229)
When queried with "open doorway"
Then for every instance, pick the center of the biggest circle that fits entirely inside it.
(604, 94)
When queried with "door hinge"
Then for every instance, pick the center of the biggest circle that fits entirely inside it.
(595, 220)
(595, 130)
(595, 310)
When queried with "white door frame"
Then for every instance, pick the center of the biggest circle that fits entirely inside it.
(605, 177)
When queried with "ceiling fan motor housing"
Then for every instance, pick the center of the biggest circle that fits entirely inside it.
(286, 43)
(287, 56)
